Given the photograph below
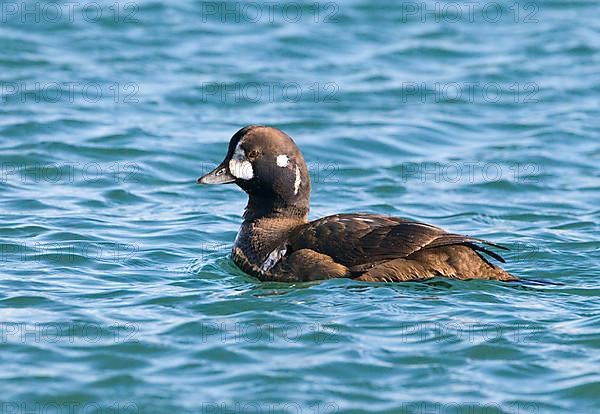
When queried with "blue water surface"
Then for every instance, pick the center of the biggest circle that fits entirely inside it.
(117, 294)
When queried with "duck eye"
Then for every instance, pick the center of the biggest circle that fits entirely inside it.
(253, 154)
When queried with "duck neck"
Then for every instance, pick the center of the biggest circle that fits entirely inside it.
(273, 208)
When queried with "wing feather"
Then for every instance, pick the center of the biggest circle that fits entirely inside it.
(356, 239)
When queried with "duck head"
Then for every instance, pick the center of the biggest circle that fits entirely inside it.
(265, 163)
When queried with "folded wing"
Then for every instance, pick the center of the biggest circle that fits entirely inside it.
(356, 239)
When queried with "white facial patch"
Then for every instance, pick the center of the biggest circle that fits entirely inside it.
(273, 258)
(239, 166)
(298, 180)
(282, 161)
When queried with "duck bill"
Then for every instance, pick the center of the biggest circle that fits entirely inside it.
(220, 175)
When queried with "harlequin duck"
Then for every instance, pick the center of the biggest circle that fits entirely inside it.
(276, 242)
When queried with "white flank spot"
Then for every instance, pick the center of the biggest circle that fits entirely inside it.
(239, 166)
(298, 180)
(282, 161)
(273, 258)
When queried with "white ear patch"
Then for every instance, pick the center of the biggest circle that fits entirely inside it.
(282, 161)
(239, 166)
(298, 180)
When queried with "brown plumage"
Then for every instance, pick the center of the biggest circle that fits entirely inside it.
(277, 242)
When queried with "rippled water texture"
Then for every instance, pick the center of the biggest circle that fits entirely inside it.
(117, 293)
